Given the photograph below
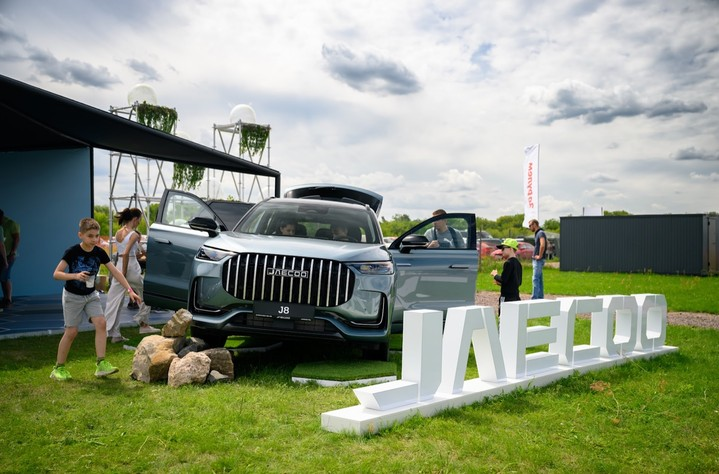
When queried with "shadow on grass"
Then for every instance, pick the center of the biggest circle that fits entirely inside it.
(521, 401)
(278, 363)
(111, 386)
(40, 351)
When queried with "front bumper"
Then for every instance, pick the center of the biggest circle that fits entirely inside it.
(364, 317)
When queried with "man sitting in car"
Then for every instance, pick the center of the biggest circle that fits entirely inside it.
(339, 232)
(286, 227)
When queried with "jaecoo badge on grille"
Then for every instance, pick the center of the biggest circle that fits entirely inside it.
(285, 272)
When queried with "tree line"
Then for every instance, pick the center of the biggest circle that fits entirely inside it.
(102, 215)
(504, 226)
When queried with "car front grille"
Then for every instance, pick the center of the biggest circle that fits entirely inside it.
(288, 279)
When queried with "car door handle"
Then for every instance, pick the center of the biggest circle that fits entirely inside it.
(163, 241)
(460, 267)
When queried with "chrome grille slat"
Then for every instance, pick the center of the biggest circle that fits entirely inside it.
(237, 275)
(329, 284)
(272, 286)
(317, 282)
(312, 268)
(264, 266)
(302, 265)
(292, 280)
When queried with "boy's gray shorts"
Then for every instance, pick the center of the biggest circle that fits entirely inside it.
(75, 307)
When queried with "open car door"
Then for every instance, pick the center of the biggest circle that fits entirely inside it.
(435, 278)
(184, 222)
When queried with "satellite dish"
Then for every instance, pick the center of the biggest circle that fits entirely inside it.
(244, 113)
(142, 93)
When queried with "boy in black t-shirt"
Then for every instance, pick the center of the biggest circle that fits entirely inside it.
(511, 278)
(78, 267)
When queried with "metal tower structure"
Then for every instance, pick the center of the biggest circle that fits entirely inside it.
(246, 141)
(148, 176)
(137, 181)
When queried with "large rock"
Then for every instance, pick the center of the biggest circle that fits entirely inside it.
(193, 368)
(152, 359)
(221, 361)
(216, 377)
(179, 344)
(178, 324)
(193, 344)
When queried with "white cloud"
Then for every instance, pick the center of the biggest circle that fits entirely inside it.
(573, 99)
(369, 71)
(713, 177)
(601, 178)
(693, 153)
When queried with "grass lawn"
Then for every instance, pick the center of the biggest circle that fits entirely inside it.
(683, 293)
(660, 415)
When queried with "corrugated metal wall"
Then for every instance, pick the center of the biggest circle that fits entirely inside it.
(713, 238)
(665, 244)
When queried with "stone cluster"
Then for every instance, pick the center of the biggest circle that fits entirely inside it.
(178, 359)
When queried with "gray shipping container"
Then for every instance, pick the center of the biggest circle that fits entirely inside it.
(686, 244)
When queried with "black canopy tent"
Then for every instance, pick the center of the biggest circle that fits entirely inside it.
(34, 119)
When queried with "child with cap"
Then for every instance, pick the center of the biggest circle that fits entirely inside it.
(511, 277)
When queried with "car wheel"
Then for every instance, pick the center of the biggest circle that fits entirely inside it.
(379, 351)
(211, 338)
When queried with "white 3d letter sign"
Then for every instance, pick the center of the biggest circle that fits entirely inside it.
(434, 363)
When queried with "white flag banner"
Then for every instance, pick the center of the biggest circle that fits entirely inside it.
(530, 175)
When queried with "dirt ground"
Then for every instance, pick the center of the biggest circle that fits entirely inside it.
(699, 320)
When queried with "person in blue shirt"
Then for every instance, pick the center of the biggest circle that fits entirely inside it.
(540, 254)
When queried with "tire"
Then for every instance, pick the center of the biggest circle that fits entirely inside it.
(211, 338)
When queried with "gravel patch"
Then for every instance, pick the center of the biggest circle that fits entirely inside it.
(681, 318)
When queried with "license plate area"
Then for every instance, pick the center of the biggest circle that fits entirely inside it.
(270, 309)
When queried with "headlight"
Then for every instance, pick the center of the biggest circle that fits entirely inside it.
(213, 255)
(373, 268)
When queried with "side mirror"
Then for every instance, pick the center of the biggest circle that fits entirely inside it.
(413, 242)
(205, 224)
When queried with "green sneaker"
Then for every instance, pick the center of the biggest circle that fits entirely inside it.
(60, 373)
(105, 368)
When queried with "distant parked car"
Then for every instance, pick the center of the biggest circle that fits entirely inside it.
(463, 233)
(525, 251)
(551, 249)
(485, 247)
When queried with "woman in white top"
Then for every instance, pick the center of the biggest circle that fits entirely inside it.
(127, 239)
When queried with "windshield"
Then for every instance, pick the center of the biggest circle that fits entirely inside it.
(312, 219)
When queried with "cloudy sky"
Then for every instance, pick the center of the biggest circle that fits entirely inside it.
(429, 103)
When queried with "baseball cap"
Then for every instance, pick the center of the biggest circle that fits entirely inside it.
(512, 243)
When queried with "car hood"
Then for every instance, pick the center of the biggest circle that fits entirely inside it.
(302, 247)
